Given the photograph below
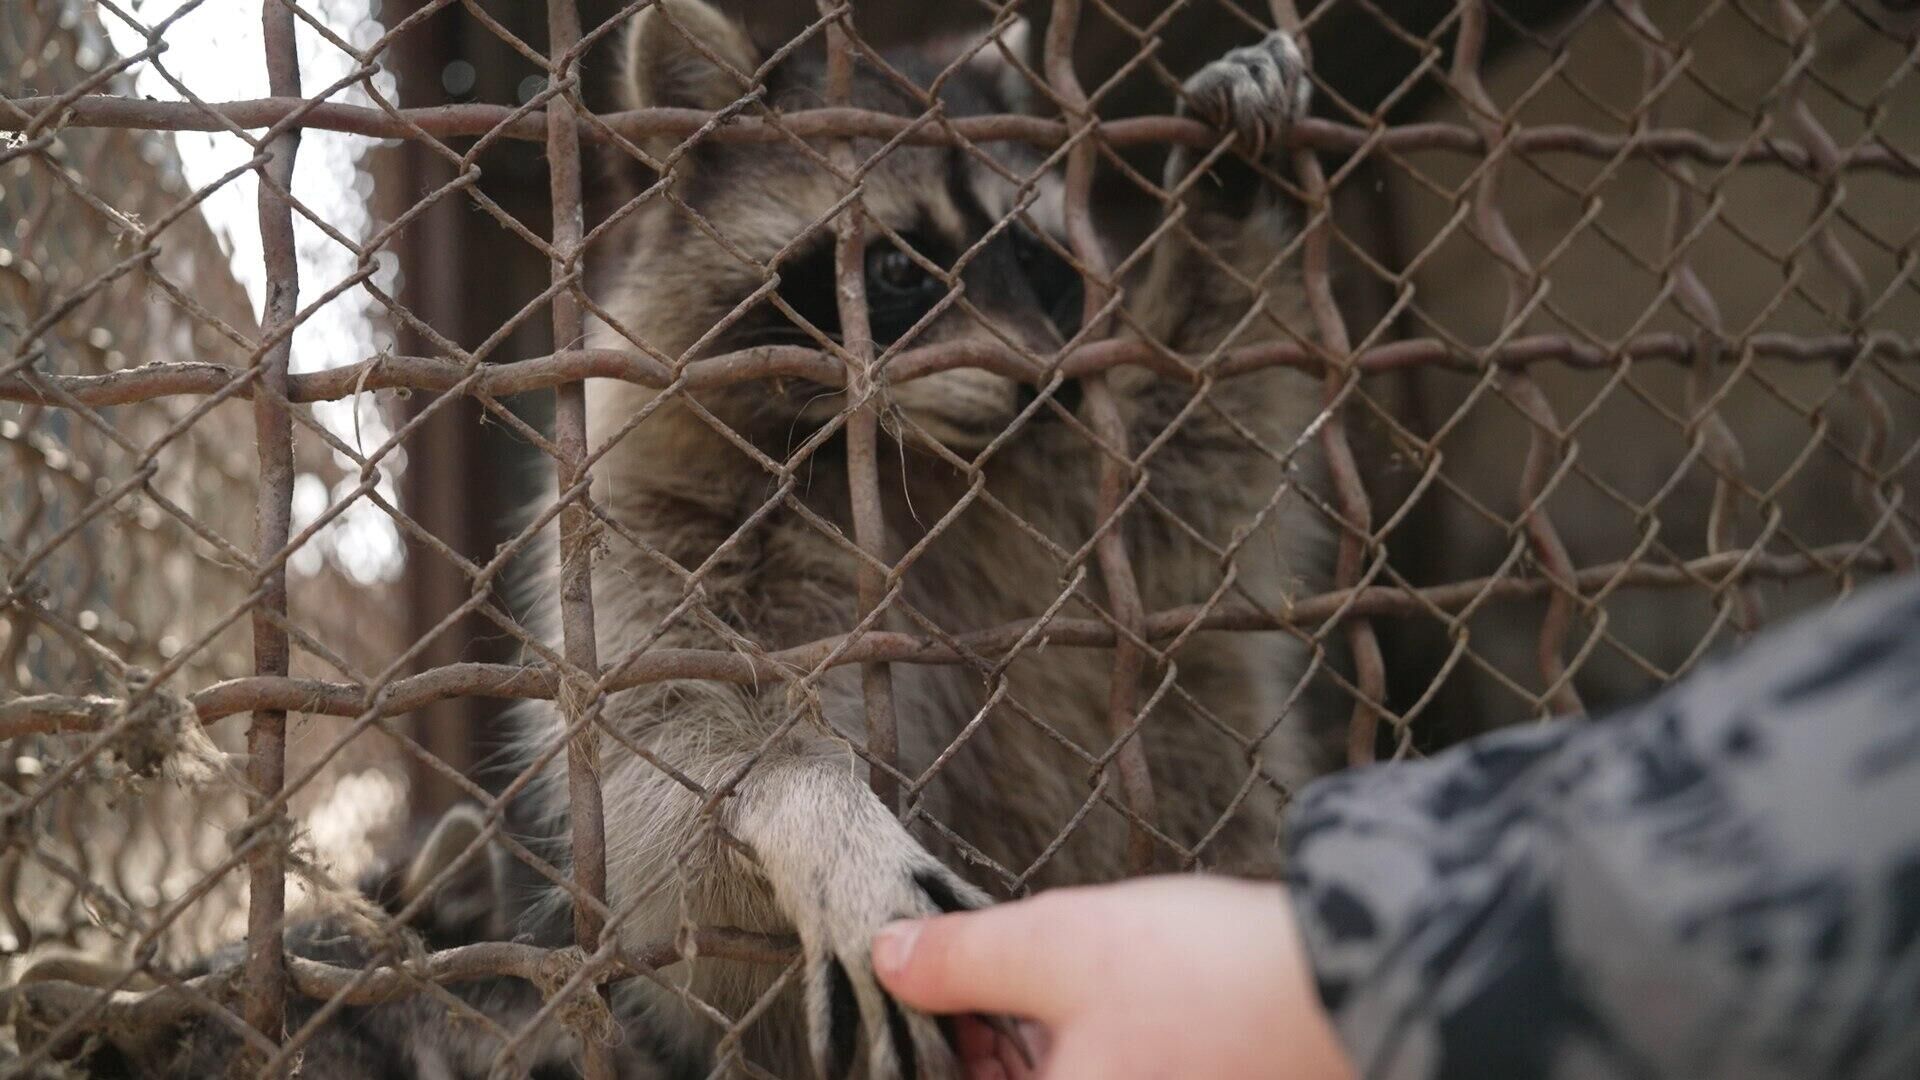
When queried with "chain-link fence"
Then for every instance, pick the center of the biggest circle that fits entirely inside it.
(983, 450)
(124, 525)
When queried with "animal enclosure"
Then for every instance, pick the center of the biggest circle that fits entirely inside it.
(1604, 318)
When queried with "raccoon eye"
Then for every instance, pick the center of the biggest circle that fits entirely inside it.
(893, 276)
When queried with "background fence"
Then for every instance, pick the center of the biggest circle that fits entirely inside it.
(1613, 308)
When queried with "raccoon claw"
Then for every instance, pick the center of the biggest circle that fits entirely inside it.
(844, 999)
(1256, 91)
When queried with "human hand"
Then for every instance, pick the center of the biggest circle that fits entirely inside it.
(1159, 977)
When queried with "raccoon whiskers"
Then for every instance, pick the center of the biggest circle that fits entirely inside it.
(794, 428)
(900, 450)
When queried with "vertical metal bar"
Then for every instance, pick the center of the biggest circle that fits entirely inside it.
(863, 455)
(1526, 395)
(1103, 410)
(441, 489)
(1875, 504)
(273, 434)
(1356, 509)
(585, 811)
(1718, 444)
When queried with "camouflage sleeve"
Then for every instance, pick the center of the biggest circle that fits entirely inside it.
(1722, 882)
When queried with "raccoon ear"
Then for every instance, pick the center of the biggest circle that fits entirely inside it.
(468, 902)
(668, 63)
(1001, 62)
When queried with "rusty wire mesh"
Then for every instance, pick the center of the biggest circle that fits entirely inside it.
(1609, 332)
(115, 597)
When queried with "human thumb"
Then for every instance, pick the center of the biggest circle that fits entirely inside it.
(1027, 958)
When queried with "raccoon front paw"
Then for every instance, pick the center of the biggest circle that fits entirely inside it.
(845, 1003)
(1256, 91)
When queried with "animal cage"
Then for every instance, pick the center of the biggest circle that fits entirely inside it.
(1603, 316)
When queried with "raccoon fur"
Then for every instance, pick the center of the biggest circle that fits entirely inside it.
(415, 1036)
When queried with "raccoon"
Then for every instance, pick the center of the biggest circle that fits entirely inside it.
(416, 1036)
(991, 483)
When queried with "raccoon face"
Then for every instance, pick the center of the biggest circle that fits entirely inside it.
(962, 245)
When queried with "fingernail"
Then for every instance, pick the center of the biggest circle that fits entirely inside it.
(893, 946)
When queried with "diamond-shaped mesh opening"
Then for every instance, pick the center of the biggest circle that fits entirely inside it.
(532, 529)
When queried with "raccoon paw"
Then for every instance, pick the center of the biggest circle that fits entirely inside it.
(844, 997)
(1256, 91)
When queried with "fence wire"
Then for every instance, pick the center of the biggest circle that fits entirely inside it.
(1601, 325)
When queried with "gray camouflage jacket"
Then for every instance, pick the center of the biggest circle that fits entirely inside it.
(1723, 882)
